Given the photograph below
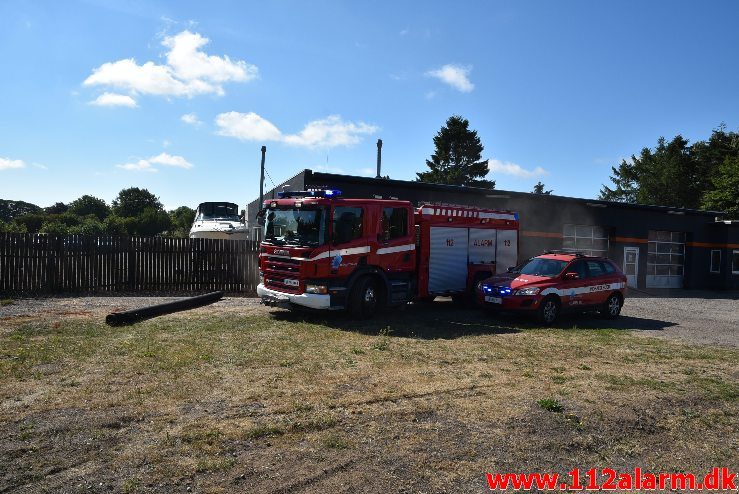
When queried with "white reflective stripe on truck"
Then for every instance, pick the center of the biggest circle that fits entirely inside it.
(342, 252)
(398, 248)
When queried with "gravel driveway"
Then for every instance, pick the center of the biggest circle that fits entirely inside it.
(694, 317)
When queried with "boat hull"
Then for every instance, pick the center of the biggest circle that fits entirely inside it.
(237, 235)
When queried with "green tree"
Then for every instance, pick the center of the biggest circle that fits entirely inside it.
(725, 193)
(32, 221)
(115, 225)
(89, 226)
(665, 176)
(539, 189)
(133, 202)
(182, 219)
(54, 227)
(56, 208)
(12, 227)
(150, 222)
(11, 209)
(673, 173)
(457, 157)
(89, 205)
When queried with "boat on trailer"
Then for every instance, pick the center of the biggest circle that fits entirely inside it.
(219, 220)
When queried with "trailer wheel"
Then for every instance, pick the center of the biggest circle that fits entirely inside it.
(365, 298)
(548, 311)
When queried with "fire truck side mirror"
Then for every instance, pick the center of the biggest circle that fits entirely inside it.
(260, 217)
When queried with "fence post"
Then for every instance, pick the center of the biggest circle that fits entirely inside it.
(131, 265)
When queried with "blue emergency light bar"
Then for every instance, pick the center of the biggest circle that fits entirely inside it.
(329, 193)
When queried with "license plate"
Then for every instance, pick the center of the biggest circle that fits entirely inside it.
(292, 282)
(494, 300)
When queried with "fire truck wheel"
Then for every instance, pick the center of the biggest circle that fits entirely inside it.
(365, 298)
(548, 311)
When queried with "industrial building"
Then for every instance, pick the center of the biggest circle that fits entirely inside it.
(656, 246)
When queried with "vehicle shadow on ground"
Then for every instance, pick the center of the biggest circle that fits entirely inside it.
(427, 321)
(444, 320)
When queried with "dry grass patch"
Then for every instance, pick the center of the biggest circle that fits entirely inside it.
(418, 400)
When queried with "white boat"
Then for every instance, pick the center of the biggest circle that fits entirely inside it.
(218, 220)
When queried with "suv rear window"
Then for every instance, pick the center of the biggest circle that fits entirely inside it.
(608, 267)
(596, 268)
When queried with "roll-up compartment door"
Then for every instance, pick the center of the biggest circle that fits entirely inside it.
(482, 245)
(448, 259)
(507, 250)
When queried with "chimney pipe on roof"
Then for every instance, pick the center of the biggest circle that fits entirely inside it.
(379, 157)
(261, 178)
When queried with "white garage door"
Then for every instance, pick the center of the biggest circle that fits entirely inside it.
(665, 259)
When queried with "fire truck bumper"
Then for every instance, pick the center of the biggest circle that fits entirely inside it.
(280, 299)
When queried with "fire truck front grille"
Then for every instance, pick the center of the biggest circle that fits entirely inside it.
(282, 274)
(279, 284)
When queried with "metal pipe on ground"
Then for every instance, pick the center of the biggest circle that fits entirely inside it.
(135, 315)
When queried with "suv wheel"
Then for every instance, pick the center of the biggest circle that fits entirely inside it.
(612, 307)
(548, 311)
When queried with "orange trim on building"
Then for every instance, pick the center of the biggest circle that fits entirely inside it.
(630, 240)
(712, 246)
(528, 233)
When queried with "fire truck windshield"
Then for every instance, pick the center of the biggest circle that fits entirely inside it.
(300, 227)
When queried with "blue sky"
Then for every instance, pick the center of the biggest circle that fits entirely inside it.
(178, 97)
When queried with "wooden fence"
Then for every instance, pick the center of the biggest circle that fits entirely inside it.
(48, 264)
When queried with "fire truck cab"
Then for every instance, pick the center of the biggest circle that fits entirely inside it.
(321, 251)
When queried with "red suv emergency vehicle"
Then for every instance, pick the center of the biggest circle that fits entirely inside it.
(557, 282)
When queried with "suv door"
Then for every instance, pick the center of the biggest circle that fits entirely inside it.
(571, 290)
(598, 284)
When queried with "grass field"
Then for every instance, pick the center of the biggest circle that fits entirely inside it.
(421, 400)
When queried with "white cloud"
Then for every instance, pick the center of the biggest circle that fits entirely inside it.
(138, 166)
(367, 172)
(8, 164)
(191, 119)
(147, 165)
(170, 160)
(247, 127)
(187, 73)
(329, 132)
(513, 169)
(114, 99)
(455, 76)
(189, 63)
(328, 169)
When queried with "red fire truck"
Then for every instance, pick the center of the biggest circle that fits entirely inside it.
(321, 251)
